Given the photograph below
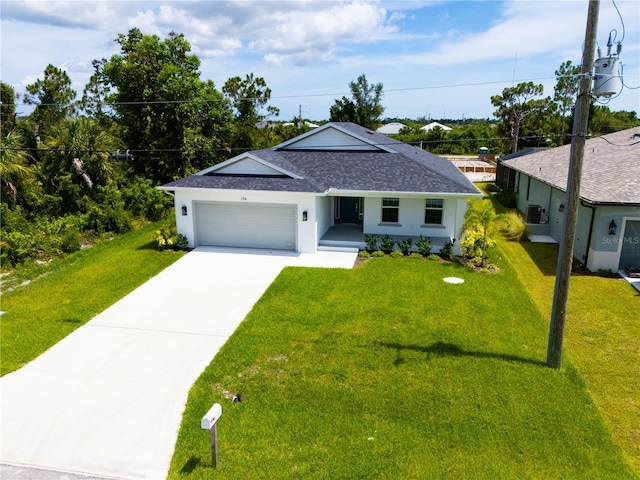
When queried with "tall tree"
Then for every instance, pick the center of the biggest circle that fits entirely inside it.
(364, 107)
(7, 106)
(156, 84)
(566, 90)
(14, 165)
(248, 97)
(515, 105)
(77, 161)
(53, 97)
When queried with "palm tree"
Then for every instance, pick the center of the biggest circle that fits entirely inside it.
(81, 146)
(483, 219)
(14, 159)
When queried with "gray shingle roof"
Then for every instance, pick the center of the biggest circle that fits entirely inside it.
(410, 169)
(610, 170)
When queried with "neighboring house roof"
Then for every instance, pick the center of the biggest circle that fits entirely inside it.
(338, 157)
(610, 169)
(522, 153)
(392, 128)
(432, 125)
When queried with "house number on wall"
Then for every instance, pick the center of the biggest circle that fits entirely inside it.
(243, 199)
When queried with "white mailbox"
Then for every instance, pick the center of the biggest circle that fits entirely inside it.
(211, 417)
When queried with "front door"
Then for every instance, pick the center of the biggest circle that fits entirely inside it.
(349, 210)
(630, 252)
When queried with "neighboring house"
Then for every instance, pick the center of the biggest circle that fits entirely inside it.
(392, 128)
(608, 230)
(327, 187)
(432, 125)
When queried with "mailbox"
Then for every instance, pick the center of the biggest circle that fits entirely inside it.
(211, 417)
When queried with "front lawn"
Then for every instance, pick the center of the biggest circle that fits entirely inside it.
(386, 371)
(68, 293)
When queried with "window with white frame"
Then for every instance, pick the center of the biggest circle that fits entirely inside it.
(433, 211)
(390, 209)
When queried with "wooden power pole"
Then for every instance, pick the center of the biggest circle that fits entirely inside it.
(579, 136)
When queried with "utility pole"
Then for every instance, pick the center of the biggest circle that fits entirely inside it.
(580, 127)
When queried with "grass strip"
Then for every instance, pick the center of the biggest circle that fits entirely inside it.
(70, 292)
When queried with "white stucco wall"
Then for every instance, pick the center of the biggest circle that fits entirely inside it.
(411, 218)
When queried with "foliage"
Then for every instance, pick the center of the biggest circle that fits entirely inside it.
(405, 245)
(143, 200)
(53, 97)
(424, 245)
(14, 166)
(507, 197)
(378, 254)
(480, 225)
(447, 249)
(397, 254)
(364, 254)
(7, 106)
(433, 256)
(566, 91)
(248, 97)
(164, 109)
(513, 225)
(516, 105)
(167, 238)
(364, 107)
(371, 239)
(387, 243)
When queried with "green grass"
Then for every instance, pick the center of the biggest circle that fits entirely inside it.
(385, 371)
(68, 293)
(602, 337)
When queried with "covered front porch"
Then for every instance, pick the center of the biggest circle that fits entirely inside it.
(341, 236)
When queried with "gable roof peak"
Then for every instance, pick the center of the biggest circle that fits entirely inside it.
(339, 136)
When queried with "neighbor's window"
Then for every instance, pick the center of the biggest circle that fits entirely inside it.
(433, 211)
(390, 207)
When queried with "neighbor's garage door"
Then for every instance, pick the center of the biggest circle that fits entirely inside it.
(246, 225)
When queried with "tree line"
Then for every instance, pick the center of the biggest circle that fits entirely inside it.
(84, 166)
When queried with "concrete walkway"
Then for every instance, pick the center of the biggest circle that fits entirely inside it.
(108, 399)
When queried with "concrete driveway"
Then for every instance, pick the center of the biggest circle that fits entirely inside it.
(108, 399)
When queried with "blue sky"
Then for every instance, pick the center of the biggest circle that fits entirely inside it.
(437, 59)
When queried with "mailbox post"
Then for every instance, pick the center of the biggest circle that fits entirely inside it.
(209, 422)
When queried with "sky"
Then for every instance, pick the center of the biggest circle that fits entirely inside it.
(435, 59)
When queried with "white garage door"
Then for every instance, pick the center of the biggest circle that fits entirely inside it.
(246, 225)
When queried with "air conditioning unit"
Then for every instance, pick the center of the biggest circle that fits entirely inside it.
(533, 213)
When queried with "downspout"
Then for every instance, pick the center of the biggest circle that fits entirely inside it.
(593, 214)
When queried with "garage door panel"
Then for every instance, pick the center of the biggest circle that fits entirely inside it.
(248, 226)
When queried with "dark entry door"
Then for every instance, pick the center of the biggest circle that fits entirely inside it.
(349, 210)
(630, 253)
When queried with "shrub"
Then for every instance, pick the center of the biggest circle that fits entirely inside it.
(387, 243)
(513, 225)
(142, 199)
(378, 254)
(364, 254)
(424, 245)
(415, 255)
(471, 245)
(405, 245)
(396, 254)
(372, 241)
(508, 198)
(433, 256)
(168, 238)
(447, 249)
